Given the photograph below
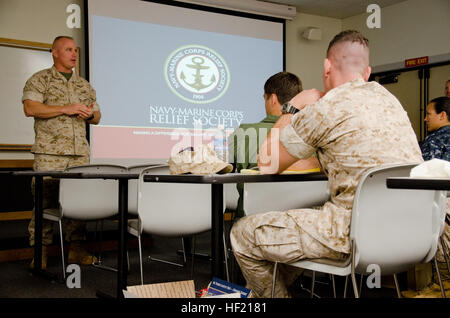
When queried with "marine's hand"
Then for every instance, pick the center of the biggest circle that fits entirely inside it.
(89, 114)
(306, 97)
(78, 109)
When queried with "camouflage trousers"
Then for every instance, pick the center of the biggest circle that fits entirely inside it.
(74, 230)
(259, 240)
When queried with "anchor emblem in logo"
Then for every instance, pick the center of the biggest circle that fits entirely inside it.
(197, 74)
(197, 84)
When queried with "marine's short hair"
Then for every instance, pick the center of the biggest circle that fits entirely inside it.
(348, 36)
(59, 38)
(284, 84)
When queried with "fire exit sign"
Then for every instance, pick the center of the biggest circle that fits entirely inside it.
(416, 61)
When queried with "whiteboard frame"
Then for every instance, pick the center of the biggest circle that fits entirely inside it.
(39, 46)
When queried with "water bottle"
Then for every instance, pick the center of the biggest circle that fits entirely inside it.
(220, 143)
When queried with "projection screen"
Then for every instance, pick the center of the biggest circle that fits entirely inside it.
(166, 76)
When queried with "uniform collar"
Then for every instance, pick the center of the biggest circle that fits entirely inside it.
(56, 73)
(270, 119)
(443, 128)
(345, 86)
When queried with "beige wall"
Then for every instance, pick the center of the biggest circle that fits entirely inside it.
(39, 21)
(438, 77)
(305, 57)
(409, 29)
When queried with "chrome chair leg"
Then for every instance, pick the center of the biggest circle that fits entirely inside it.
(445, 252)
(334, 285)
(99, 239)
(274, 278)
(99, 244)
(360, 284)
(355, 286)
(397, 286)
(140, 260)
(169, 262)
(313, 281)
(225, 252)
(345, 286)
(62, 248)
(184, 250)
(193, 256)
(439, 278)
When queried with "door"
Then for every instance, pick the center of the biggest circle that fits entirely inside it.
(414, 89)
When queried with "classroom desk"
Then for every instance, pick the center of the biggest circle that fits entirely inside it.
(217, 181)
(418, 183)
(122, 214)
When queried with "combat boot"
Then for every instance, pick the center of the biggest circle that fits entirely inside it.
(78, 255)
(44, 258)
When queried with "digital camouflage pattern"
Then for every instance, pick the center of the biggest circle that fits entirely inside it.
(61, 135)
(202, 160)
(73, 229)
(60, 142)
(354, 127)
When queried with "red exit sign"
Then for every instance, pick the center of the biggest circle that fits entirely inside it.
(416, 61)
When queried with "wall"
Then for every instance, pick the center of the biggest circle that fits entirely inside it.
(38, 21)
(305, 57)
(409, 29)
(398, 38)
(43, 20)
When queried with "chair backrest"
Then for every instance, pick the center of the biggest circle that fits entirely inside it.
(394, 228)
(133, 187)
(90, 199)
(280, 196)
(173, 209)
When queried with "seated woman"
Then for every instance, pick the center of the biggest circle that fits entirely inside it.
(437, 145)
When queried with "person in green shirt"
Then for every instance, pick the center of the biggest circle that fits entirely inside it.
(244, 142)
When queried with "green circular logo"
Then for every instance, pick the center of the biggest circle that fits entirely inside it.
(197, 74)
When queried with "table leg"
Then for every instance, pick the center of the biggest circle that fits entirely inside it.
(217, 262)
(38, 220)
(38, 211)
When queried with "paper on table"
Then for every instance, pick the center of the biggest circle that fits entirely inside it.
(300, 171)
(231, 295)
(181, 289)
(253, 171)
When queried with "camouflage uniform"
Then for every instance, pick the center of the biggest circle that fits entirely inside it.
(60, 142)
(354, 127)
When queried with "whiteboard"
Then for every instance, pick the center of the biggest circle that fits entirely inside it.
(17, 65)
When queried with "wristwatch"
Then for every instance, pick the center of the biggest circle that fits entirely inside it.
(288, 108)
